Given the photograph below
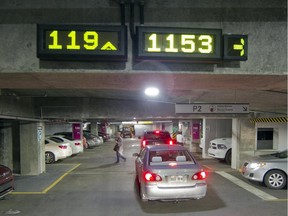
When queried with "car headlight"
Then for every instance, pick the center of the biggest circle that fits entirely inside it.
(257, 165)
(221, 146)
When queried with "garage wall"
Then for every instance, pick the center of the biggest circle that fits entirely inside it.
(280, 134)
(264, 21)
(218, 128)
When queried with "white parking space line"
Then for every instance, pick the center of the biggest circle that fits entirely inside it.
(251, 189)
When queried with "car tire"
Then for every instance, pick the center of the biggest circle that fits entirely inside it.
(228, 157)
(275, 179)
(49, 158)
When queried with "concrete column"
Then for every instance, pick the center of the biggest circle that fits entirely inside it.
(32, 136)
(6, 153)
(205, 143)
(175, 129)
(94, 128)
(236, 134)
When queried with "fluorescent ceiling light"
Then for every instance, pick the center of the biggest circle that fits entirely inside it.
(152, 91)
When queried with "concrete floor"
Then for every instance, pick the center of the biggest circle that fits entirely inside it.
(92, 184)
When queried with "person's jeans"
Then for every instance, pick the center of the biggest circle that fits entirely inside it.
(118, 156)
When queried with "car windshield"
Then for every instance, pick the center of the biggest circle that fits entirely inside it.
(56, 139)
(282, 154)
(163, 157)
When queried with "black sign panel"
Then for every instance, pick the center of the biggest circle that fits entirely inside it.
(82, 42)
(235, 47)
(178, 44)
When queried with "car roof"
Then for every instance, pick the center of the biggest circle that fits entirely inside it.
(165, 147)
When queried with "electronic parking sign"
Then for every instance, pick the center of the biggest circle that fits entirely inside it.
(188, 45)
(178, 44)
(82, 42)
(235, 47)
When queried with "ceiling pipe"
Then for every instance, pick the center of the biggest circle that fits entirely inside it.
(122, 10)
(22, 118)
(131, 23)
(141, 12)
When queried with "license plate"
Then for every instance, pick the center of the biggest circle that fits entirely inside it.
(177, 178)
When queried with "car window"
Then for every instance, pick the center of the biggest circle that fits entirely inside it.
(69, 138)
(156, 136)
(56, 139)
(281, 154)
(142, 154)
(164, 156)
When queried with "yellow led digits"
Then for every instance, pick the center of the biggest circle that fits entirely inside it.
(88, 40)
(82, 42)
(175, 43)
(178, 44)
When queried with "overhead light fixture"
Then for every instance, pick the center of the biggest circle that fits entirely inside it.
(152, 91)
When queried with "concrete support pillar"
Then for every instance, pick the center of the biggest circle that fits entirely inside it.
(175, 129)
(236, 135)
(6, 153)
(94, 128)
(32, 148)
(204, 142)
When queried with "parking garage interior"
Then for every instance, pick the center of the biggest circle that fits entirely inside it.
(39, 96)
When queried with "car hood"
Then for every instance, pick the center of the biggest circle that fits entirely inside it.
(269, 157)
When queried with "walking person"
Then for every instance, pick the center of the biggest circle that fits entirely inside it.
(119, 143)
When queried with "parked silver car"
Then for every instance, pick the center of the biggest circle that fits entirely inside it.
(169, 172)
(268, 169)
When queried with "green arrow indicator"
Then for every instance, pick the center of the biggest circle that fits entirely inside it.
(108, 46)
(240, 47)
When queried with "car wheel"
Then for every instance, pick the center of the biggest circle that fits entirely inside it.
(49, 158)
(275, 179)
(228, 157)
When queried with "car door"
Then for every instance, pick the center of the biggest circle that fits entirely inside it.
(140, 163)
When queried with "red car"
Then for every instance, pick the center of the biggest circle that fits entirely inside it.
(6, 180)
(156, 137)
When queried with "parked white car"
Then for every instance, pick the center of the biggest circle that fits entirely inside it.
(56, 151)
(76, 145)
(221, 149)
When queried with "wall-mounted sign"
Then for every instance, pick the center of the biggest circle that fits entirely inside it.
(82, 42)
(235, 47)
(178, 44)
(212, 108)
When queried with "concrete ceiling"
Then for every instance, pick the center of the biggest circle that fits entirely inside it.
(264, 93)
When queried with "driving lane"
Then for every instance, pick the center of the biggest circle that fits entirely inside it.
(98, 186)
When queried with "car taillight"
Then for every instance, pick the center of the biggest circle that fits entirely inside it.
(151, 177)
(157, 131)
(144, 143)
(170, 142)
(77, 144)
(63, 147)
(199, 176)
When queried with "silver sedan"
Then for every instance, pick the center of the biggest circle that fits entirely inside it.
(268, 169)
(169, 172)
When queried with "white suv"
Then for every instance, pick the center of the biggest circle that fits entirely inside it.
(221, 149)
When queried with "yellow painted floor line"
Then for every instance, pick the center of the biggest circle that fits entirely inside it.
(52, 185)
(251, 189)
(60, 178)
